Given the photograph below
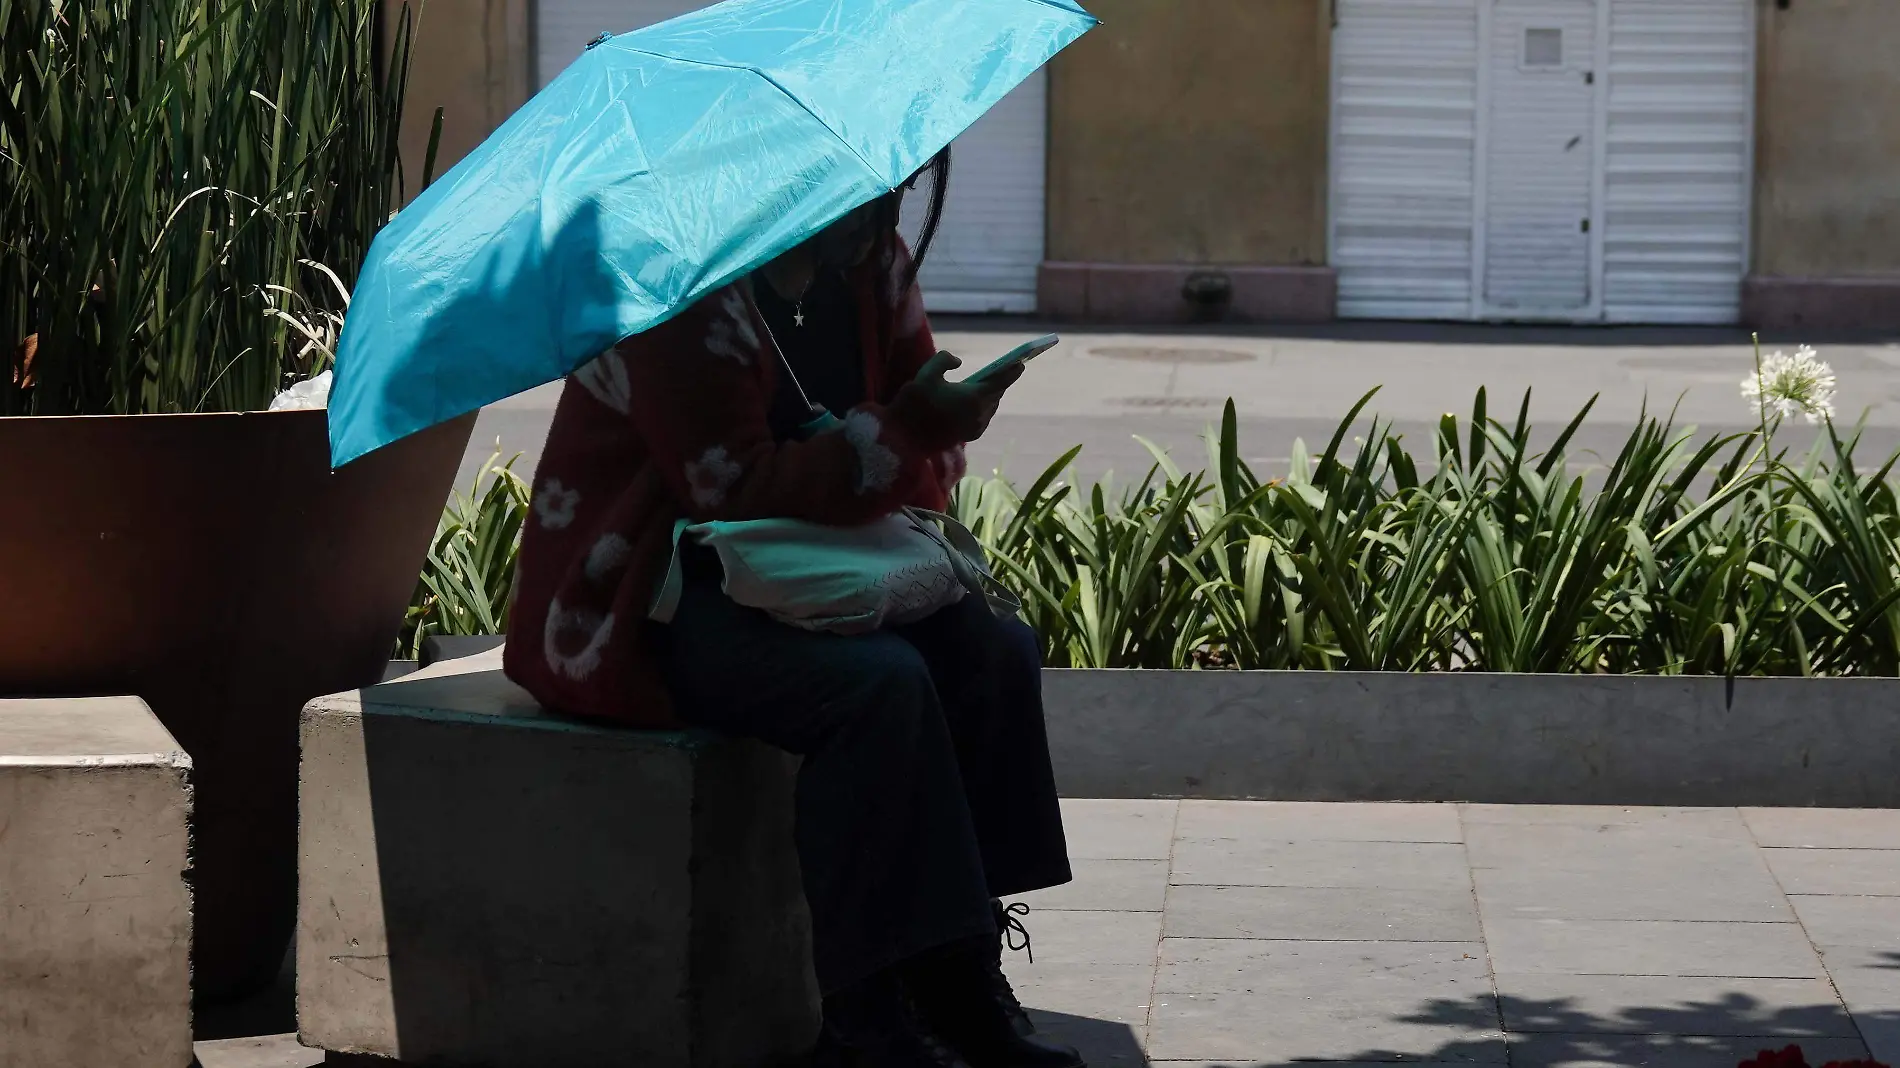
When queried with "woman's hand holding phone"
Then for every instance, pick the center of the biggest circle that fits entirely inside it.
(967, 406)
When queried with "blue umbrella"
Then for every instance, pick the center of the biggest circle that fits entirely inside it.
(658, 167)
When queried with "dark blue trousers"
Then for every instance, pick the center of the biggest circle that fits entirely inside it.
(926, 788)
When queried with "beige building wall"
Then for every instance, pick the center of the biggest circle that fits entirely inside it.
(473, 59)
(1192, 132)
(1827, 148)
(1827, 167)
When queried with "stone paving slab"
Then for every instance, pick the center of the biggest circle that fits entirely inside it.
(1418, 970)
(1321, 1026)
(1113, 993)
(1607, 847)
(1651, 947)
(1293, 821)
(1293, 999)
(1095, 937)
(1836, 871)
(1867, 922)
(1744, 893)
(1123, 830)
(1111, 886)
(1821, 828)
(1321, 863)
(269, 1051)
(1717, 823)
(1321, 913)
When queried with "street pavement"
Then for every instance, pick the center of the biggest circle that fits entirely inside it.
(1271, 934)
(1102, 390)
(1204, 933)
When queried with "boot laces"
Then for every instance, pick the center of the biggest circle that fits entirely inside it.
(1011, 928)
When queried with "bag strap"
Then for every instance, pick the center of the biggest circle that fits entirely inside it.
(968, 560)
(666, 599)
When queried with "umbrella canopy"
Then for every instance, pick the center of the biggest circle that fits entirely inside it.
(661, 165)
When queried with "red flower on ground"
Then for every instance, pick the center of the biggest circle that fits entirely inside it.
(1792, 1058)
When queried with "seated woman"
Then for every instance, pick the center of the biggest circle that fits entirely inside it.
(925, 793)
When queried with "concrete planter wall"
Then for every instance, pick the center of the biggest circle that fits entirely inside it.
(1513, 739)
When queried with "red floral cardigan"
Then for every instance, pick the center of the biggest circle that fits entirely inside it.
(672, 423)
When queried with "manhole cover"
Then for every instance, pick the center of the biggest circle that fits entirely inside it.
(1167, 402)
(1170, 354)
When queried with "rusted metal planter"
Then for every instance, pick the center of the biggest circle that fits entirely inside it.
(215, 566)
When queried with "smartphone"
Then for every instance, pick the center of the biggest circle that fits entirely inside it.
(1022, 353)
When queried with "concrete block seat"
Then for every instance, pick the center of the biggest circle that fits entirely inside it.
(95, 913)
(482, 883)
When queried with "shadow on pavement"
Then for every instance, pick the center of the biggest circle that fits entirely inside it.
(1103, 1043)
(1560, 1033)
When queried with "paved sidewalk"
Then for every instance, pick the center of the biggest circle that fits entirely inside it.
(1235, 933)
(1203, 933)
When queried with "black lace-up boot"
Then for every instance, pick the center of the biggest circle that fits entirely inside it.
(954, 991)
(871, 1025)
(1009, 928)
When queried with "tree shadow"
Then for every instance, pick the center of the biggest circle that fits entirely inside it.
(1528, 1032)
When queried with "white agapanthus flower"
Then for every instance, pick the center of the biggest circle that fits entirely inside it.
(1802, 384)
(310, 393)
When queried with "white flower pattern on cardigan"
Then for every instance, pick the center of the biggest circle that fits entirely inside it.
(605, 377)
(711, 476)
(555, 504)
(607, 558)
(877, 464)
(733, 336)
(564, 625)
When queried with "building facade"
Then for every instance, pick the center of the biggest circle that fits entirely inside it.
(1573, 161)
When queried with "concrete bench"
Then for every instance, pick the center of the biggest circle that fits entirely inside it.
(482, 883)
(95, 914)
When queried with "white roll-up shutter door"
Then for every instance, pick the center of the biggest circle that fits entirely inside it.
(1677, 183)
(990, 243)
(1538, 160)
(1405, 93)
(1432, 160)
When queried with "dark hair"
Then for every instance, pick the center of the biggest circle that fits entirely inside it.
(890, 209)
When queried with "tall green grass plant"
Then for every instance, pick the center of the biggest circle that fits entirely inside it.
(171, 169)
(1706, 554)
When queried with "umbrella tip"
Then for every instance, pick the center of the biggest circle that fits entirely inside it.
(602, 39)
